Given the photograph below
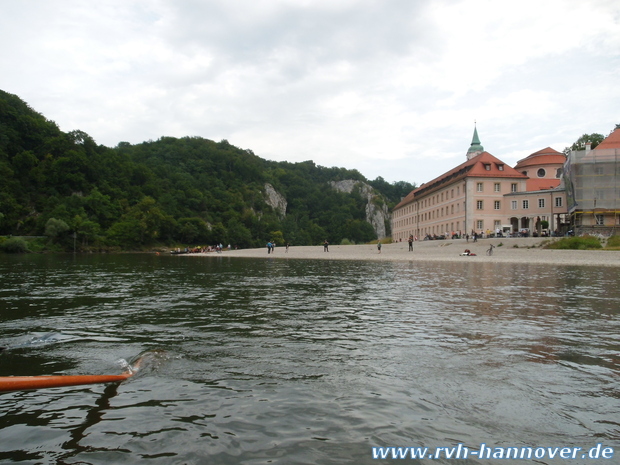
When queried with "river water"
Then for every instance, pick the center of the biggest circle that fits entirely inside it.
(273, 361)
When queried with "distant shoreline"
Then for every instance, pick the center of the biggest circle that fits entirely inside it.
(512, 250)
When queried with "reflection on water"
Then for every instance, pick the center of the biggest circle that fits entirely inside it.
(292, 361)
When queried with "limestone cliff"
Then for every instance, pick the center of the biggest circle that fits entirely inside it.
(275, 200)
(376, 209)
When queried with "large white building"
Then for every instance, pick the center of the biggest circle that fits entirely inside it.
(484, 195)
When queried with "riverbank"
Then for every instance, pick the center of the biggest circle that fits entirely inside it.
(507, 250)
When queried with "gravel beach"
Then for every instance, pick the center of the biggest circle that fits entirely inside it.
(507, 250)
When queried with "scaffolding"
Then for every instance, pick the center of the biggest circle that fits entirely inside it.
(592, 179)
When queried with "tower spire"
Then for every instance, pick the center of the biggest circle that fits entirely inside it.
(475, 148)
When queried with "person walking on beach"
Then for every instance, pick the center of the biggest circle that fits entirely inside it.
(379, 246)
(268, 247)
(287, 246)
(325, 246)
(410, 243)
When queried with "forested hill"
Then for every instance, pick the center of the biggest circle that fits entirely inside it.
(188, 191)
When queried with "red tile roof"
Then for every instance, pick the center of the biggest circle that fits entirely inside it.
(475, 167)
(546, 156)
(535, 184)
(612, 141)
(606, 151)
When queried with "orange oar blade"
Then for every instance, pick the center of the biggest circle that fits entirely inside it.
(24, 383)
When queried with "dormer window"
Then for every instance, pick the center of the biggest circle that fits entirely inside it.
(500, 166)
(487, 166)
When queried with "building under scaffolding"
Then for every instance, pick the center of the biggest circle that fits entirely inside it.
(592, 178)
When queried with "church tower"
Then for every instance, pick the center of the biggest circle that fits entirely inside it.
(475, 148)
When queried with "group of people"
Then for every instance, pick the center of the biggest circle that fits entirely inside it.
(474, 236)
(271, 247)
(202, 249)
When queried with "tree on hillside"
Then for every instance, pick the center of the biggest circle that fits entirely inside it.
(189, 190)
(393, 192)
(580, 144)
(55, 227)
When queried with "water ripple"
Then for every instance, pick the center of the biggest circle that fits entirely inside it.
(257, 361)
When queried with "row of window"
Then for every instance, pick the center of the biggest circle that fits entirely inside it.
(541, 173)
(525, 204)
(454, 227)
(497, 187)
(514, 204)
(497, 224)
(500, 166)
(497, 205)
(440, 197)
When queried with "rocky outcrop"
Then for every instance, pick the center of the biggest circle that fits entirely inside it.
(275, 200)
(377, 212)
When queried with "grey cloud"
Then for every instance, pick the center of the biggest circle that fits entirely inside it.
(359, 31)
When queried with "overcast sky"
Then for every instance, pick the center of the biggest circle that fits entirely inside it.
(388, 87)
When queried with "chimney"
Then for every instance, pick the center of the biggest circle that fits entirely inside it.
(588, 147)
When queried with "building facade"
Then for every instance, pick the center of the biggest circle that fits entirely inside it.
(544, 198)
(592, 177)
(486, 196)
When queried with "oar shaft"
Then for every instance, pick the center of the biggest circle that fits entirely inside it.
(24, 383)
